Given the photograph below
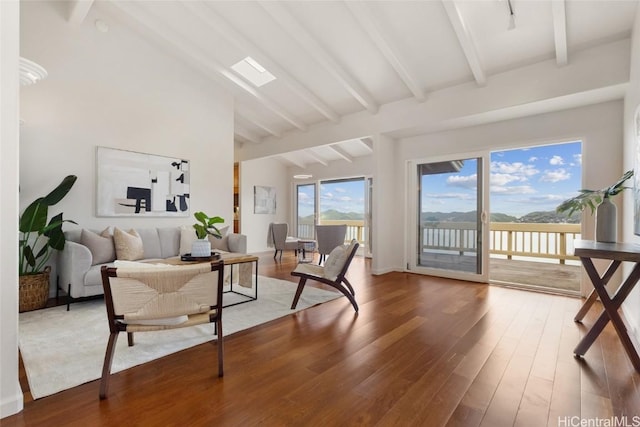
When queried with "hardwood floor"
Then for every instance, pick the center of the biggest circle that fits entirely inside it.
(422, 351)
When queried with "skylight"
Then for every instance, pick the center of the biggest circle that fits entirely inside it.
(251, 70)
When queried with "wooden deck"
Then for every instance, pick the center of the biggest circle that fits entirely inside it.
(563, 278)
(541, 275)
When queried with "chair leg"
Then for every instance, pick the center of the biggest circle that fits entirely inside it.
(220, 346)
(130, 339)
(303, 281)
(346, 293)
(346, 282)
(106, 367)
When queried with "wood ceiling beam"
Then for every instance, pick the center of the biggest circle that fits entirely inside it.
(558, 9)
(288, 23)
(201, 59)
(249, 116)
(292, 161)
(363, 14)
(78, 10)
(246, 134)
(316, 157)
(366, 142)
(340, 152)
(212, 20)
(466, 41)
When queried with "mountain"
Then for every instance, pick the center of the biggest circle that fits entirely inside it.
(532, 217)
(550, 217)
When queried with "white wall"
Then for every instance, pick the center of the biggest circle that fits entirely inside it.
(99, 93)
(389, 192)
(11, 400)
(631, 307)
(268, 173)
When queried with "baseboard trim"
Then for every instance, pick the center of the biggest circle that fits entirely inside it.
(12, 405)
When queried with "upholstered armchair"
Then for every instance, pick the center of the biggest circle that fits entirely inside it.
(328, 238)
(280, 239)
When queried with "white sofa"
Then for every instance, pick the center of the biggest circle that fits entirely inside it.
(79, 276)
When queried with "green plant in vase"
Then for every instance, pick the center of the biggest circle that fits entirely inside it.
(206, 226)
(599, 202)
(38, 240)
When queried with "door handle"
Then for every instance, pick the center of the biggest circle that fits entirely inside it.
(483, 217)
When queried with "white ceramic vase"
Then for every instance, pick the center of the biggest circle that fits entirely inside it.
(201, 247)
(606, 221)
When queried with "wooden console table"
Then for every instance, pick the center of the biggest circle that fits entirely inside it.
(588, 250)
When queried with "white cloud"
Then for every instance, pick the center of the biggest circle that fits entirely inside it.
(516, 168)
(437, 196)
(340, 190)
(577, 158)
(556, 161)
(555, 175)
(469, 181)
(505, 178)
(516, 189)
(532, 159)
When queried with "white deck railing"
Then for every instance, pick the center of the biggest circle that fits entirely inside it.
(536, 240)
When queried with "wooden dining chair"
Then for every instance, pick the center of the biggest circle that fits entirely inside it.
(332, 273)
(159, 298)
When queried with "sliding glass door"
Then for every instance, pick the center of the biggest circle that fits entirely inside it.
(305, 211)
(450, 220)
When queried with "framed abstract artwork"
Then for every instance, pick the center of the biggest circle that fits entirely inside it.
(141, 185)
(264, 200)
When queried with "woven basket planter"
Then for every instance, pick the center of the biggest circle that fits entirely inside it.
(34, 290)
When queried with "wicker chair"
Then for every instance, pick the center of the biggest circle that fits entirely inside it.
(332, 273)
(160, 298)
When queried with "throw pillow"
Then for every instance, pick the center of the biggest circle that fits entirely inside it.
(128, 244)
(187, 236)
(100, 245)
(220, 244)
(335, 261)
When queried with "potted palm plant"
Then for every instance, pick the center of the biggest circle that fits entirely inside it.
(204, 227)
(598, 201)
(38, 240)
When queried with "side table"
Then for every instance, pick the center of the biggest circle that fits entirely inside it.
(306, 250)
(588, 250)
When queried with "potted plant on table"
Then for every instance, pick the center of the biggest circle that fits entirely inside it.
(205, 227)
(37, 242)
(598, 201)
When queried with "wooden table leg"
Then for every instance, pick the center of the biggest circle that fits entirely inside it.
(593, 296)
(611, 306)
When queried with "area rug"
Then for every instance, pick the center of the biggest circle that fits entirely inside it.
(63, 349)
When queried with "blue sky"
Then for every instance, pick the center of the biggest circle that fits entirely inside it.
(522, 181)
(344, 196)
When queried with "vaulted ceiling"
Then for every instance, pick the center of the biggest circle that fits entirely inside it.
(333, 59)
